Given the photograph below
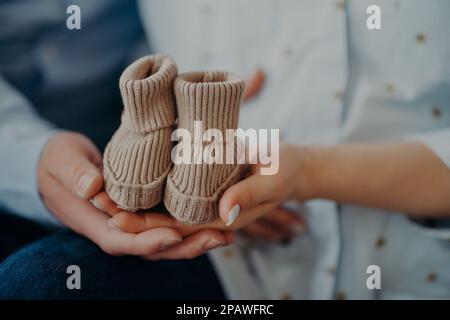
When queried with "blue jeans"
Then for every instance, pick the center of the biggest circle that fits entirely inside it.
(38, 271)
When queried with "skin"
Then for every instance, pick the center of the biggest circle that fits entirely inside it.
(68, 160)
(69, 176)
(389, 176)
(278, 225)
(384, 175)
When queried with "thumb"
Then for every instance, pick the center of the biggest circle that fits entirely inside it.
(72, 161)
(254, 84)
(244, 195)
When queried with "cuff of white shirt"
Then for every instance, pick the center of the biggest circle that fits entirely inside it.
(438, 142)
(28, 203)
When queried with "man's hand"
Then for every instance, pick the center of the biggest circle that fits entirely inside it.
(69, 173)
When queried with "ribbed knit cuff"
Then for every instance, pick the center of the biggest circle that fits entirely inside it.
(214, 97)
(193, 191)
(137, 159)
(146, 87)
(193, 208)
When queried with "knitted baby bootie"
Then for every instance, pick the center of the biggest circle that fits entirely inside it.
(193, 190)
(137, 159)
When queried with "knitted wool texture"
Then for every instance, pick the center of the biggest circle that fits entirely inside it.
(193, 191)
(137, 159)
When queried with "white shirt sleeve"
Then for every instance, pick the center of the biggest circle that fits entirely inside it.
(23, 134)
(438, 141)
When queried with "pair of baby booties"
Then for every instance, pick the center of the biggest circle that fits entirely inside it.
(138, 169)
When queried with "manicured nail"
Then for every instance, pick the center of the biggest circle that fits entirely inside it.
(232, 215)
(84, 182)
(297, 228)
(213, 243)
(167, 243)
(111, 223)
(95, 204)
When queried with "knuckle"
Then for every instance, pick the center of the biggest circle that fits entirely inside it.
(109, 249)
(190, 255)
(250, 198)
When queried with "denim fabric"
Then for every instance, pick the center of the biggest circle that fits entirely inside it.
(38, 271)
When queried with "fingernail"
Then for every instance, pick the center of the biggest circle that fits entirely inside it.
(84, 182)
(232, 215)
(297, 228)
(111, 223)
(213, 243)
(95, 204)
(167, 243)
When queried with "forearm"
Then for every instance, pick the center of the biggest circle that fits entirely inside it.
(401, 176)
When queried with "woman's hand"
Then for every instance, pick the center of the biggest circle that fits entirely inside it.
(258, 194)
(258, 199)
(69, 173)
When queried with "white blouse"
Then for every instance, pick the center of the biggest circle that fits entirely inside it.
(328, 79)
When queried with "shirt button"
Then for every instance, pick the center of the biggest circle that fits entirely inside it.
(436, 112)
(338, 95)
(390, 88)
(431, 277)
(421, 38)
(340, 4)
(381, 241)
(340, 295)
(285, 296)
(228, 253)
(331, 270)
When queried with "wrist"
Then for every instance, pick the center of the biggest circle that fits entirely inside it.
(312, 164)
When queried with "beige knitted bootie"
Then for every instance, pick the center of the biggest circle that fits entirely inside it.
(193, 190)
(137, 159)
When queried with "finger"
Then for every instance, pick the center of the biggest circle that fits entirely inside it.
(244, 195)
(103, 202)
(139, 222)
(248, 216)
(142, 244)
(76, 167)
(83, 218)
(286, 221)
(254, 84)
(230, 237)
(259, 230)
(193, 246)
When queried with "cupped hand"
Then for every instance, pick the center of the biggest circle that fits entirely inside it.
(259, 198)
(69, 173)
(255, 204)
